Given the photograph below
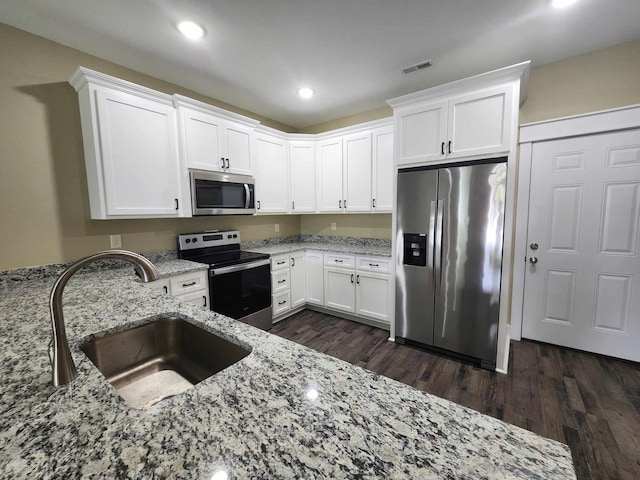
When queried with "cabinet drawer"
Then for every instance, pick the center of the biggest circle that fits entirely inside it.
(337, 260)
(374, 264)
(279, 262)
(189, 282)
(280, 281)
(281, 302)
(200, 298)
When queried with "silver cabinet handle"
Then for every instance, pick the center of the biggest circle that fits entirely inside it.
(533, 260)
(438, 246)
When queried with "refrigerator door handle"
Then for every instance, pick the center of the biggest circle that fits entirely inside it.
(438, 247)
(431, 243)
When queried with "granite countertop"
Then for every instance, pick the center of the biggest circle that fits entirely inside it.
(346, 245)
(255, 419)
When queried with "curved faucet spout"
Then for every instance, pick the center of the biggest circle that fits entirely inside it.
(64, 370)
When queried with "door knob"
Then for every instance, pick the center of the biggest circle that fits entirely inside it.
(533, 246)
(533, 260)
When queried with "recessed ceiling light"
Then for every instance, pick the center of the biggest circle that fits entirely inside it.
(306, 92)
(191, 30)
(562, 3)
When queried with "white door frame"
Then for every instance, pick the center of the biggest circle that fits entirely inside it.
(586, 124)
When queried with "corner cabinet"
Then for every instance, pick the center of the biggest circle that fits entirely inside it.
(130, 148)
(272, 174)
(214, 139)
(471, 119)
(302, 168)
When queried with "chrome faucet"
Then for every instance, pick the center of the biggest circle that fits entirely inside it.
(64, 370)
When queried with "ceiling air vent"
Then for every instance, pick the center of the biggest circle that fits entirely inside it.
(417, 67)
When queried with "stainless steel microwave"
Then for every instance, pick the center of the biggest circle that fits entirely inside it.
(219, 193)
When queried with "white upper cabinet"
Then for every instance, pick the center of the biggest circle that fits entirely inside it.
(382, 172)
(356, 172)
(130, 147)
(470, 118)
(302, 168)
(272, 174)
(214, 139)
(421, 132)
(329, 175)
(480, 123)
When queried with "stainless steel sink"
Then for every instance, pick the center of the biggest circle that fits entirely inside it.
(156, 360)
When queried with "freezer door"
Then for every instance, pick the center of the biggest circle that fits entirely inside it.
(468, 259)
(416, 208)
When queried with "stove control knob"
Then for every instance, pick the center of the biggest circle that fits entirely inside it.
(188, 240)
(194, 239)
(235, 235)
(228, 236)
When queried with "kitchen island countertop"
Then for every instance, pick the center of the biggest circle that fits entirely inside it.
(283, 412)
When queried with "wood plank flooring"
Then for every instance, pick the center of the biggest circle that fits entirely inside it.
(589, 402)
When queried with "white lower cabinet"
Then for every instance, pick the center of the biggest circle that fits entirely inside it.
(357, 286)
(190, 287)
(373, 295)
(298, 276)
(315, 278)
(339, 288)
(288, 282)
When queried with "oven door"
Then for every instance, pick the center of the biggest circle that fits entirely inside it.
(214, 193)
(241, 291)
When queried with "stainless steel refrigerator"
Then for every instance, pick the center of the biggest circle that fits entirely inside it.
(449, 235)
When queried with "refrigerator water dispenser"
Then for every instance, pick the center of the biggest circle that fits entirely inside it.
(415, 249)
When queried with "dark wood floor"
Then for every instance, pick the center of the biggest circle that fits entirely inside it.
(590, 402)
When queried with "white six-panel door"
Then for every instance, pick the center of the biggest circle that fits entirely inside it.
(582, 284)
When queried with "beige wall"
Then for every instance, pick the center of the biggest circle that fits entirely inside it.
(365, 225)
(598, 80)
(44, 215)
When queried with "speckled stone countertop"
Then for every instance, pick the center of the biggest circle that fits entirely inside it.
(347, 245)
(254, 420)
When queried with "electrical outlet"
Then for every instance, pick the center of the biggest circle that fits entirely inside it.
(333, 226)
(277, 227)
(116, 241)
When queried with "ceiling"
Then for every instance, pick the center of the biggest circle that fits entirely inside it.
(257, 53)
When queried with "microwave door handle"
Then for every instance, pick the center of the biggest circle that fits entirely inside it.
(247, 195)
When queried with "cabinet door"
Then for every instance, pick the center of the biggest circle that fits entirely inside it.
(272, 177)
(315, 278)
(201, 139)
(373, 295)
(302, 164)
(238, 148)
(298, 279)
(421, 133)
(329, 178)
(480, 123)
(138, 141)
(382, 180)
(339, 289)
(357, 172)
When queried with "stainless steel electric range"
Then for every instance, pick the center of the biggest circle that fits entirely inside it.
(239, 281)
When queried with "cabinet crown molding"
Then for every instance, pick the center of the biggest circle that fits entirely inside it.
(519, 71)
(84, 76)
(182, 101)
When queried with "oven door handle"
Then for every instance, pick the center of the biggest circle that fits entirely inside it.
(239, 268)
(247, 193)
